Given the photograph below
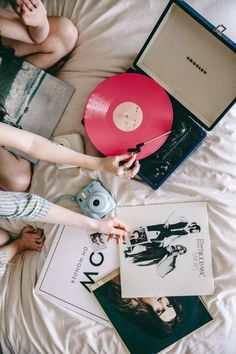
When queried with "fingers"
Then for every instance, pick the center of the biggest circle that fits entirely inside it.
(120, 225)
(31, 239)
(119, 231)
(124, 157)
(116, 237)
(28, 228)
(35, 230)
(131, 173)
(125, 169)
(40, 240)
(28, 4)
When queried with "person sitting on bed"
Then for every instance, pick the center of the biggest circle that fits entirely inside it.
(29, 33)
(15, 177)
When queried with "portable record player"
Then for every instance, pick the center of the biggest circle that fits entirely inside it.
(195, 65)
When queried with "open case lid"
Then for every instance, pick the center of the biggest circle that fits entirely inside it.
(192, 61)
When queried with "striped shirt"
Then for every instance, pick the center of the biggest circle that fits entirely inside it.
(17, 205)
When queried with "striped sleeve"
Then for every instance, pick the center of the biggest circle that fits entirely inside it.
(26, 206)
(3, 261)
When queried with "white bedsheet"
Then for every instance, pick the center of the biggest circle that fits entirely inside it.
(111, 34)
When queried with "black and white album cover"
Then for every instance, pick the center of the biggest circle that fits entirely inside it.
(167, 251)
(77, 259)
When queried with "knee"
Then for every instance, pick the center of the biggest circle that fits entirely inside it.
(21, 181)
(4, 237)
(68, 34)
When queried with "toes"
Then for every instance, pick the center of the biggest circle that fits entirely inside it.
(28, 228)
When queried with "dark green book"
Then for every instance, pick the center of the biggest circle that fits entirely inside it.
(30, 98)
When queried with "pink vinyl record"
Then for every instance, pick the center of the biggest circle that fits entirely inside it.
(127, 110)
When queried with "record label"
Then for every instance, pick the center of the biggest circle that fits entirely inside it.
(127, 110)
(127, 116)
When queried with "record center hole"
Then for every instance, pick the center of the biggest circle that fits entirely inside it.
(127, 116)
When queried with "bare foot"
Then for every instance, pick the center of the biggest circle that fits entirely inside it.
(31, 239)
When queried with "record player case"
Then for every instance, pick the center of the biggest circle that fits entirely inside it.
(195, 63)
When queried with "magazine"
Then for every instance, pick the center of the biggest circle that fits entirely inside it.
(167, 252)
(77, 259)
(32, 99)
(148, 325)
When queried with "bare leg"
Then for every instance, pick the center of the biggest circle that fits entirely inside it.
(4, 237)
(15, 172)
(59, 42)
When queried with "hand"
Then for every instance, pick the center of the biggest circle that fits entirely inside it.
(121, 165)
(30, 4)
(32, 12)
(31, 239)
(112, 227)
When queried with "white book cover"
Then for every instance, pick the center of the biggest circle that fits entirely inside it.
(167, 251)
(77, 259)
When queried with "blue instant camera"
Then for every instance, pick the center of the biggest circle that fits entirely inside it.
(95, 201)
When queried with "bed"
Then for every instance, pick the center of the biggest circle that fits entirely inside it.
(111, 34)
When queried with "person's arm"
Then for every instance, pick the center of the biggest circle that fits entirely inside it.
(44, 149)
(13, 29)
(31, 207)
(108, 226)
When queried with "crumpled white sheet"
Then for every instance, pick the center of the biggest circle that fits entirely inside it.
(111, 34)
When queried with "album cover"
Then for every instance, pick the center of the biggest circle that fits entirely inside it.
(32, 99)
(167, 251)
(148, 325)
(77, 259)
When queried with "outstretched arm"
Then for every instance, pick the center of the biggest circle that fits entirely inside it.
(108, 226)
(44, 149)
(31, 207)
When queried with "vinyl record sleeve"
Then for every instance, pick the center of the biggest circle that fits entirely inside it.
(142, 331)
(168, 252)
(77, 258)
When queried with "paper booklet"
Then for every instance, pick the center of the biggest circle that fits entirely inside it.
(167, 252)
(77, 258)
(32, 98)
(148, 325)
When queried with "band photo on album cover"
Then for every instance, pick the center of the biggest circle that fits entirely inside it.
(165, 242)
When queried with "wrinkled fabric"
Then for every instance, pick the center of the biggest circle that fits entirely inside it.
(111, 33)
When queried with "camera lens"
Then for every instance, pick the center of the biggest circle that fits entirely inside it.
(96, 202)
